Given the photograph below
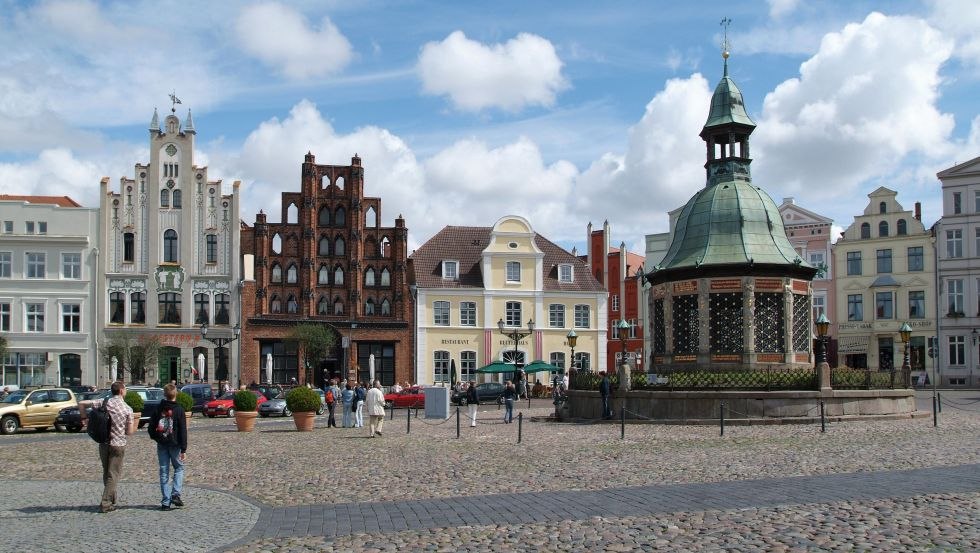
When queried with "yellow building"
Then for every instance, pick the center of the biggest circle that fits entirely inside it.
(468, 279)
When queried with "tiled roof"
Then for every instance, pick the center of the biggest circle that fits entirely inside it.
(60, 201)
(466, 245)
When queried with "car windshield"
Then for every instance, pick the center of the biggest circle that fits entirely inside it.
(15, 397)
(227, 395)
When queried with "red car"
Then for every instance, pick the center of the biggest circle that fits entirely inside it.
(409, 397)
(225, 405)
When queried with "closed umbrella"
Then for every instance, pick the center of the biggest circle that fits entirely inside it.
(371, 369)
(268, 368)
(453, 379)
(113, 367)
(200, 366)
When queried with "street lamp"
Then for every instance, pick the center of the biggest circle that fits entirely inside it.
(624, 328)
(221, 341)
(974, 334)
(572, 340)
(516, 335)
(823, 368)
(906, 333)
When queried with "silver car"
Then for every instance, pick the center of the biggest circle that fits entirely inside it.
(277, 405)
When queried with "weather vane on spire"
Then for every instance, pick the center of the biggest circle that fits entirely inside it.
(725, 45)
(174, 101)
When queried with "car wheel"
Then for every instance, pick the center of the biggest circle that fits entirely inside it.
(463, 402)
(389, 405)
(75, 429)
(231, 413)
(500, 401)
(59, 428)
(210, 416)
(287, 412)
(9, 424)
(263, 415)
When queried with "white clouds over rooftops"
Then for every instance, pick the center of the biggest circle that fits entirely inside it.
(280, 37)
(524, 71)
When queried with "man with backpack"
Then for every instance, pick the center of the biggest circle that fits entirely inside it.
(112, 447)
(332, 397)
(168, 428)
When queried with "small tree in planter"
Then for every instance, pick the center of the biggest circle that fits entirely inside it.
(186, 403)
(245, 405)
(304, 403)
(135, 403)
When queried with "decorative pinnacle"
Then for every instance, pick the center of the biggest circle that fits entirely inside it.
(725, 45)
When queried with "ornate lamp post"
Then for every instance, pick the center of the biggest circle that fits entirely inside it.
(906, 334)
(823, 368)
(624, 369)
(572, 339)
(516, 335)
(221, 341)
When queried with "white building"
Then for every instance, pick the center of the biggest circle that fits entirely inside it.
(958, 275)
(171, 240)
(48, 271)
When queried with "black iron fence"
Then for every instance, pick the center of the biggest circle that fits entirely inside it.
(846, 378)
(769, 378)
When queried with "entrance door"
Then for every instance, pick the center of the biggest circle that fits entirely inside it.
(71, 369)
(886, 352)
(168, 364)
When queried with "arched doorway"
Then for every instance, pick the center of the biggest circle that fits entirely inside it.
(71, 369)
(168, 364)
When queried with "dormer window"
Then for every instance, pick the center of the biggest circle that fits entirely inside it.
(450, 270)
(565, 273)
(513, 271)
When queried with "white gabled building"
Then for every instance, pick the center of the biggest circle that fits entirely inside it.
(49, 252)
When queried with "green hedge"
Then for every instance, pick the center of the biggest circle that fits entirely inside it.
(302, 399)
(245, 400)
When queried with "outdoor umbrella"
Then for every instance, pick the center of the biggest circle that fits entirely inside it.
(114, 366)
(200, 366)
(268, 368)
(538, 366)
(371, 369)
(452, 374)
(497, 367)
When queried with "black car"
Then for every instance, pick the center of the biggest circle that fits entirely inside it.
(200, 393)
(69, 419)
(151, 402)
(487, 392)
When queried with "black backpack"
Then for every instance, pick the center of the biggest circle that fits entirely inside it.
(100, 423)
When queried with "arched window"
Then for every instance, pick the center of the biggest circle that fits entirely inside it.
(882, 207)
(338, 246)
(370, 218)
(170, 251)
(323, 247)
(291, 274)
(292, 214)
(385, 307)
(323, 306)
(338, 307)
(369, 277)
(201, 305)
(325, 182)
(369, 307)
(865, 230)
(276, 273)
(340, 218)
(323, 275)
(883, 228)
(291, 305)
(323, 217)
(338, 276)
(164, 198)
(275, 306)
(177, 198)
(339, 182)
(385, 249)
(385, 277)
(902, 227)
(129, 247)
(276, 244)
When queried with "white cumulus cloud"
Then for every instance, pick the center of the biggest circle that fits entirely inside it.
(280, 37)
(524, 71)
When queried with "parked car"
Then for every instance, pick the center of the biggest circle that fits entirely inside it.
(274, 406)
(200, 393)
(37, 409)
(224, 406)
(409, 397)
(487, 392)
(151, 401)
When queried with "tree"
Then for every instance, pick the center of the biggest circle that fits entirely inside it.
(3, 347)
(316, 340)
(134, 353)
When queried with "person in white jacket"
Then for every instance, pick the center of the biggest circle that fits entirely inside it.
(375, 408)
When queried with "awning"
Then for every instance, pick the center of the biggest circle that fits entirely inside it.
(852, 344)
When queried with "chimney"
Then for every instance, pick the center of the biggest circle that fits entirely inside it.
(918, 211)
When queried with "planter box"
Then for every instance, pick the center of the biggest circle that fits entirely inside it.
(304, 420)
(245, 420)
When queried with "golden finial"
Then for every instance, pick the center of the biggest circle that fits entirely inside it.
(725, 22)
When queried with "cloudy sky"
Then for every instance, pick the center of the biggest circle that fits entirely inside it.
(467, 111)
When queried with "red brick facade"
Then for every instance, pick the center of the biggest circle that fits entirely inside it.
(619, 276)
(328, 261)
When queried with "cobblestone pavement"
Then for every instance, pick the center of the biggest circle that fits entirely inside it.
(306, 475)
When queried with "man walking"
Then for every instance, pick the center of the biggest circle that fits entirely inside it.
(472, 402)
(168, 428)
(375, 408)
(510, 394)
(111, 454)
(333, 398)
(604, 391)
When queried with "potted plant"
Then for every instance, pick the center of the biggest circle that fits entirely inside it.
(245, 406)
(135, 403)
(186, 403)
(303, 402)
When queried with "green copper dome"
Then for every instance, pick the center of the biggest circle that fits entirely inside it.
(727, 106)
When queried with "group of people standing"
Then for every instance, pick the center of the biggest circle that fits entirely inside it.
(353, 400)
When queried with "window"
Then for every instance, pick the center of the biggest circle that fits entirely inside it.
(467, 313)
(164, 198)
(954, 243)
(169, 304)
(6, 264)
(883, 229)
(614, 329)
(323, 247)
(8, 227)
(957, 203)
(338, 246)
(385, 307)
(29, 227)
(276, 273)
(615, 303)
(884, 306)
(902, 227)
(819, 306)
(854, 263)
(323, 306)
(467, 365)
(954, 296)
(275, 305)
(129, 247)
(565, 273)
(512, 313)
(582, 318)
(137, 308)
(170, 254)
(385, 277)
(884, 261)
(323, 217)
(291, 274)
(71, 265)
(633, 327)
(977, 240)
(440, 361)
(957, 350)
(4, 318)
(917, 304)
(583, 361)
(71, 317)
(865, 230)
(338, 276)
(176, 198)
(440, 313)
(369, 277)
(450, 270)
(42, 227)
(34, 313)
(202, 306)
(855, 307)
(35, 265)
(323, 275)
(338, 307)
(291, 305)
(556, 315)
(916, 262)
(212, 248)
(117, 308)
(882, 207)
(340, 219)
(976, 201)
(557, 359)
(513, 271)
(369, 307)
